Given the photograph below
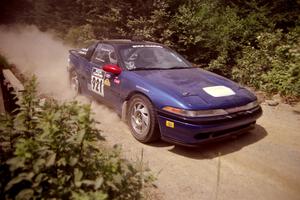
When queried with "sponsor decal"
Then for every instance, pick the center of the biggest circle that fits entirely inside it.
(170, 124)
(107, 82)
(219, 91)
(97, 72)
(117, 81)
(107, 75)
(146, 45)
(97, 80)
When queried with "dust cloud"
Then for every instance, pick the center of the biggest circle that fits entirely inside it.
(41, 54)
(35, 52)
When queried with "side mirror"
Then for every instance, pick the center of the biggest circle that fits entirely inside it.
(114, 69)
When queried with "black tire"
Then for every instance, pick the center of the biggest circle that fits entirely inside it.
(151, 133)
(74, 84)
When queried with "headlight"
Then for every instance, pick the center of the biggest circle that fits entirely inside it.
(198, 113)
(209, 113)
(248, 106)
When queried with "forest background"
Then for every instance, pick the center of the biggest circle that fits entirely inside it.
(255, 42)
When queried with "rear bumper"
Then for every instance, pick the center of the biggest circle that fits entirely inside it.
(196, 131)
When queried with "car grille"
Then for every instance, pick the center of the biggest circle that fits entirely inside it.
(215, 134)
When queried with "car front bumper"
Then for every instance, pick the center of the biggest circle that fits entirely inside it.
(196, 131)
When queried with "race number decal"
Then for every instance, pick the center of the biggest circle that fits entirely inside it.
(219, 91)
(97, 80)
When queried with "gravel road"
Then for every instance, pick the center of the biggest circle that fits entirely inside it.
(262, 164)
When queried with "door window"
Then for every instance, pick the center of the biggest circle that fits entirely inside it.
(104, 54)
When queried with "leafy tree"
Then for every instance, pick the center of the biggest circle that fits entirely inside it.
(214, 33)
(12, 11)
(154, 26)
(274, 65)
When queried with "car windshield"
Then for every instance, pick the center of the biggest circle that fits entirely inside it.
(150, 57)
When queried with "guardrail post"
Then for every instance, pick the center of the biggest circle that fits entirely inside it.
(9, 83)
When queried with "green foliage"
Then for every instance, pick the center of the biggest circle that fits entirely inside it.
(81, 35)
(155, 26)
(216, 34)
(51, 151)
(207, 31)
(274, 65)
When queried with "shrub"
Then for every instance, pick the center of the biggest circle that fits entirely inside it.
(274, 65)
(80, 35)
(154, 26)
(211, 33)
(49, 151)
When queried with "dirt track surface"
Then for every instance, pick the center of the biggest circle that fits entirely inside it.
(263, 164)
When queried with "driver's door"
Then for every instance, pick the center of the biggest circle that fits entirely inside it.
(100, 82)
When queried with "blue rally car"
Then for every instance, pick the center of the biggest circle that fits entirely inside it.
(160, 94)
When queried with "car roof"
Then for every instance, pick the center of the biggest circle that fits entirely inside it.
(126, 41)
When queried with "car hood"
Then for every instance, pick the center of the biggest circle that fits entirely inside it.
(188, 84)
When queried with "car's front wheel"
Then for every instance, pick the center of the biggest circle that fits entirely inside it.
(141, 118)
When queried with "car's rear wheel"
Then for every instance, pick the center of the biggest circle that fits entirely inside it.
(141, 118)
(74, 82)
